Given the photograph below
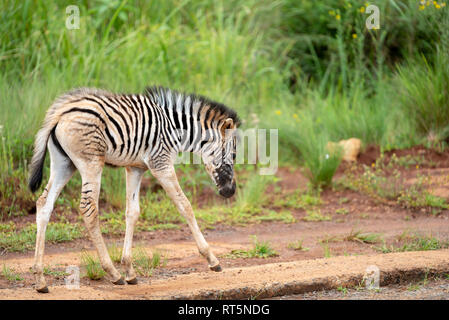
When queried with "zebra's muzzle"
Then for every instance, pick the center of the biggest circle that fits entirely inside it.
(228, 190)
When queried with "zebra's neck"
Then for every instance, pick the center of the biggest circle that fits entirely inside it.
(190, 120)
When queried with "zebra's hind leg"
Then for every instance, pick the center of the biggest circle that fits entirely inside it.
(86, 148)
(61, 170)
(91, 182)
(133, 179)
(167, 178)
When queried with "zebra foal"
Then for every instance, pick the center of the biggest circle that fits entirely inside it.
(87, 128)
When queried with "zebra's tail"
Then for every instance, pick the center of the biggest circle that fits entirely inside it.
(40, 145)
(37, 162)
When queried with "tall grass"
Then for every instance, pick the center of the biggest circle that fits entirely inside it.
(424, 96)
(333, 45)
(310, 69)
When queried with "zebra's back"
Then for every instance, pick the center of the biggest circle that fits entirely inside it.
(120, 127)
(135, 129)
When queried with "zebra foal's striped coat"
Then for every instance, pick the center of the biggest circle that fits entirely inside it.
(88, 128)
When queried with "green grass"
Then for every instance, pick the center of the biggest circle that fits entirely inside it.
(326, 250)
(252, 194)
(382, 184)
(406, 161)
(293, 65)
(55, 273)
(374, 182)
(361, 237)
(24, 239)
(284, 216)
(94, 271)
(342, 290)
(342, 211)
(298, 199)
(297, 245)
(260, 249)
(316, 216)
(9, 274)
(306, 136)
(416, 196)
(144, 264)
(115, 253)
(354, 236)
(415, 242)
(7, 227)
(420, 284)
(159, 226)
(424, 97)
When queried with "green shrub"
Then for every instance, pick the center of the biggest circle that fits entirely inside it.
(334, 46)
(93, 267)
(425, 98)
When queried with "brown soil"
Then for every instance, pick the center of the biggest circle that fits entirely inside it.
(425, 289)
(184, 265)
(261, 281)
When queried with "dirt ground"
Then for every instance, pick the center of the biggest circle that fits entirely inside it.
(323, 240)
(431, 290)
(264, 280)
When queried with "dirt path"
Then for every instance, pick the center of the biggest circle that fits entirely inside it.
(181, 252)
(262, 281)
(185, 274)
(429, 289)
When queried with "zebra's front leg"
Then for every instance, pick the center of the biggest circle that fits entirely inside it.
(133, 179)
(168, 180)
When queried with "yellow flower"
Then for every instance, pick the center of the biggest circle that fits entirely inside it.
(434, 3)
(362, 9)
(443, 4)
(437, 6)
(338, 17)
(332, 12)
(354, 35)
(421, 7)
(417, 166)
(278, 112)
(373, 164)
(295, 116)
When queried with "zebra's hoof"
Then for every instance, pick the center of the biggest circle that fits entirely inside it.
(119, 282)
(42, 290)
(216, 268)
(132, 281)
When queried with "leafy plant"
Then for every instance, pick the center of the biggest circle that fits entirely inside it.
(261, 249)
(10, 274)
(145, 264)
(93, 267)
(297, 245)
(115, 253)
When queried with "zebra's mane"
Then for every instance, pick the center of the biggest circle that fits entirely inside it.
(163, 94)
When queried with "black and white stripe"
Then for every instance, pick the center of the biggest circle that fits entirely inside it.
(157, 124)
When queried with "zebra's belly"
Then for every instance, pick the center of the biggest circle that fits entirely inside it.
(117, 161)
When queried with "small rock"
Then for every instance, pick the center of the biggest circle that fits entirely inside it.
(350, 148)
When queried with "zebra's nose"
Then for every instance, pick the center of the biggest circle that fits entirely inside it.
(228, 190)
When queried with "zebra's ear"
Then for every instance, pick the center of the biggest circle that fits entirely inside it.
(227, 125)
